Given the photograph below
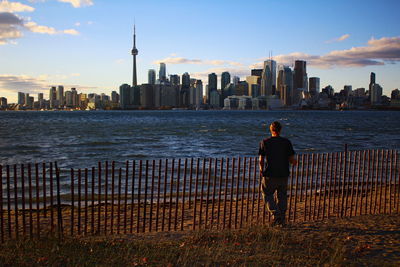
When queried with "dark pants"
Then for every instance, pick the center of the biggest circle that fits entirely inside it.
(276, 207)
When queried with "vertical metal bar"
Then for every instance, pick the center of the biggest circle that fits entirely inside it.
(79, 201)
(253, 198)
(133, 194)
(126, 196)
(371, 161)
(190, 183)
(297, 185)
(352, 182)
(358, 183)
(30, 202)
(60, 227)
(16, 223)
(232, 188)
(390, 181)
(183, 194)
(326, 161)
(139, 192)
(248, 189)
(306, 185)
(377, 179)
(290, 192)
(37, 199)
(315, 187)
(208, 190)
(51, 198)
(158, 193)
(170, 194)
(320, 184)
(1, 205)
(146, 180)
(363, 181)
(195, 193)
(202, 192)
(152, 194)
(386, 181)
(165, 194)
(106, 198)
(23, 199)
(177, 195)
(9, 204)
(331, 165)
(303, 160)
(214, 188)
(72, 221)
(243, 190)
(112, 197)
(225, 191)
(311, 186)
(397, 169)
(93, 208)
(259, 175)
(99, 199)
(44, 190)
(119, 201)
(237, 193)
(335, 190)
(342, 165)
(86, 202)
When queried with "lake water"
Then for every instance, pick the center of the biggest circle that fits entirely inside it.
(81, 139)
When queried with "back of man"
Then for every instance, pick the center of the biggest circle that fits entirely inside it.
(275, 154)
(277, 151)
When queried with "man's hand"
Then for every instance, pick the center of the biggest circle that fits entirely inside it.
(261, 163)
(293, 160)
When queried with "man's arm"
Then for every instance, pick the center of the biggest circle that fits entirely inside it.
(261, 163)
(292, 160)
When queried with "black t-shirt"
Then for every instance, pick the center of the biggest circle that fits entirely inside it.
(277, 151)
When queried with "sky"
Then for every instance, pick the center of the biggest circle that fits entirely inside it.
(86, 43)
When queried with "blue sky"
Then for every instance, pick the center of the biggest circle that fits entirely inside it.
(87, 43)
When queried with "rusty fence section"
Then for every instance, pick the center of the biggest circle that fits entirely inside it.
(179, 194)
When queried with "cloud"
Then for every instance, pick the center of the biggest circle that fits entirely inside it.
(78, 3)
(340, 39)
(12, 27)
(71, 32)
(6, 6)
(377, 52)
(173, 59)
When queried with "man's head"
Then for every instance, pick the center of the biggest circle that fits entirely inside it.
(275, 128)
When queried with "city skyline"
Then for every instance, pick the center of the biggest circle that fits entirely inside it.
(340, 55)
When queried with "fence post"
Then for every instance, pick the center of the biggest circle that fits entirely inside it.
(59, 212)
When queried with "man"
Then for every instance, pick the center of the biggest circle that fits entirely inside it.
(275, 154)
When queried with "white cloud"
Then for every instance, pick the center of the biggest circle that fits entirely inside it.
(71, 32)
(33, 27)
(339, 39)
(173, 59)
(78, 3)
(77, 24)
(6, 6)
(377, 52)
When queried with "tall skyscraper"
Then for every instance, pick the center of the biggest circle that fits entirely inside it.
(314, 86)
(299, 80)
(52, 96)
(134, 54)
(235, 80)
(21, 98)
(225, 80)
(185, 80)
(268, 78)
(212, 85)
(125, 96)
(162, 74)
(60, 95)
(152, 77)
(198, 93)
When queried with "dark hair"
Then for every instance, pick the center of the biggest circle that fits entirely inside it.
(275, 127)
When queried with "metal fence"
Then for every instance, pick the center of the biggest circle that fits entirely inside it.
(178, 194)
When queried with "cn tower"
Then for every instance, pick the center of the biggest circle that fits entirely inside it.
(134, 54)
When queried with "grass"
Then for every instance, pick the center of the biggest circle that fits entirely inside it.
(339, 242)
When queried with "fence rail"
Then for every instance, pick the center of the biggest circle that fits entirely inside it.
(178, 194)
